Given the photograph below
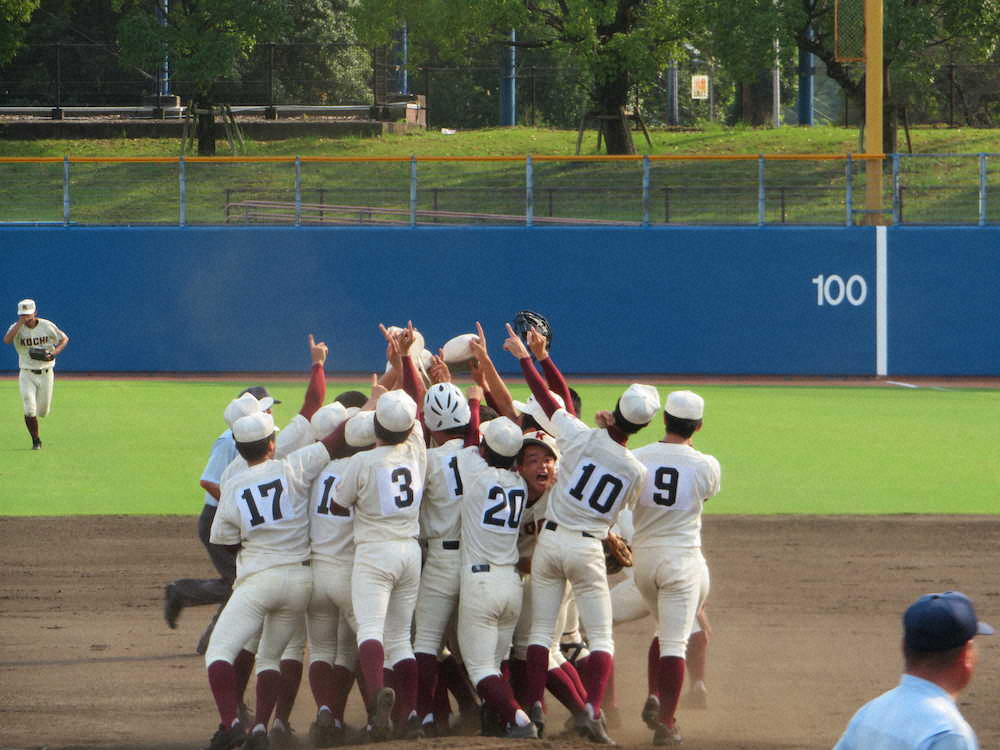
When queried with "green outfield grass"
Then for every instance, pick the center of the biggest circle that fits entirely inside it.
(138, 447)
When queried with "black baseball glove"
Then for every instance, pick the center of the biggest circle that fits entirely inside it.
(40, 354)
(526, 320)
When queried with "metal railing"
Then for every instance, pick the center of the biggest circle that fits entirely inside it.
(533, 190)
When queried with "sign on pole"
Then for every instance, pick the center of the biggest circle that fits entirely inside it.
(699, 87)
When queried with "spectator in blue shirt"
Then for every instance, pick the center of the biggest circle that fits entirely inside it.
(939, 655)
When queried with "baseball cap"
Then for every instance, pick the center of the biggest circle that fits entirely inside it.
(261, 393)
(253, 427)
(26, 307)
(639, 403)
(685, 405)
(503, 436)
(327, 419)
(532, 408)
(445, 407)
(360, 430)
(396, 411)
(243, 406)
(938, 622)
(544, 439)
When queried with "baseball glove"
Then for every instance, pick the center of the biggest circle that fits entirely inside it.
(40, 354)
(617, 554)
(526, 319)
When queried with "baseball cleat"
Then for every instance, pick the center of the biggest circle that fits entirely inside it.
(283, 736)
(697, 697)
(381, 723)
(36, 444)
(592, 729)
(515, 732)
(257, 741)
(651, 712)
(324, 732)
(664, 736)
(226, 738)
(537, 716)
(412, 729)
(172, 606)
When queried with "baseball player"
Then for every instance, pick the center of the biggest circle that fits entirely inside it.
(330, 621)
(446, 415)
(190, 592)
(597, 476)
(670, 569)
(263, 514)
(37, 342)
(385, 487)
(490, 600)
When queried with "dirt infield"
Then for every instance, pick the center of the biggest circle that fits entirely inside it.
(805, 613)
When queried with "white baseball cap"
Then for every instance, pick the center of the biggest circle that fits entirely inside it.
(445, 407)
(685, 405)
(396, 411)
(639, 403)
(544, 439)
(503, 436)
(327, 419)
(360, 430)
(254, 427)
(243, 406)
(534, 409)
(26, 307)
(457, 350)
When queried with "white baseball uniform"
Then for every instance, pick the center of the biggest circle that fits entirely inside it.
(670, 569)
(597, 478)
(385, 486)
(330, 619)
(36, 378)
(490, 599)
(441, 526)
(265, 507)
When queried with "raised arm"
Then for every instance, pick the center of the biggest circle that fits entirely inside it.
(516, 347)
(474, 395)
(413, 384)
(496, 391)
(557, 383)
(12, 331)
(316, 390)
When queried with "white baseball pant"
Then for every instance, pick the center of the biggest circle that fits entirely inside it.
(674, 583)
(563, 555)
(384, 589)
(330, 622)
(273, 602)
(440, 581)
(36, 392)
(487, 613)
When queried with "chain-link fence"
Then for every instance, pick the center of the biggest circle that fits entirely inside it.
(539, 191)
(550, 90)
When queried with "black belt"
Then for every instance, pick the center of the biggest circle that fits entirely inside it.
(307, 563)
(37, 372)
(481, 568)
(450, 544)
(552, 526)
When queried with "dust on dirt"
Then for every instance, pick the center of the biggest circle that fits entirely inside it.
(805, 614)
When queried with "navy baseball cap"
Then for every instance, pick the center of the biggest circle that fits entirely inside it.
(259, 392)
(938, 622)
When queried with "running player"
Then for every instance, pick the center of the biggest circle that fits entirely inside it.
(670, 569)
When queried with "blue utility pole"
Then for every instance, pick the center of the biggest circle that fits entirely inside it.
(508, 91)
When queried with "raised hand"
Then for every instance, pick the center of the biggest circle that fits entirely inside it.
(393, 353)
(514, 345)
(538, 343)
(474, 392)
(439, 371)
(317, 351)
(406, 338)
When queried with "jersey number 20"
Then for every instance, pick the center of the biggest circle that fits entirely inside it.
(511, 501)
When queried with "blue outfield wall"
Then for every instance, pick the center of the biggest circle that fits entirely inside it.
(724, 300)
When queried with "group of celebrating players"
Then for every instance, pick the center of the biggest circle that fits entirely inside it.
(422, 536)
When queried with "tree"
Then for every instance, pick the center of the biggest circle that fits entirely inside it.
(740, 34)
(14, 16)
(618, 42)
(206, 41)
